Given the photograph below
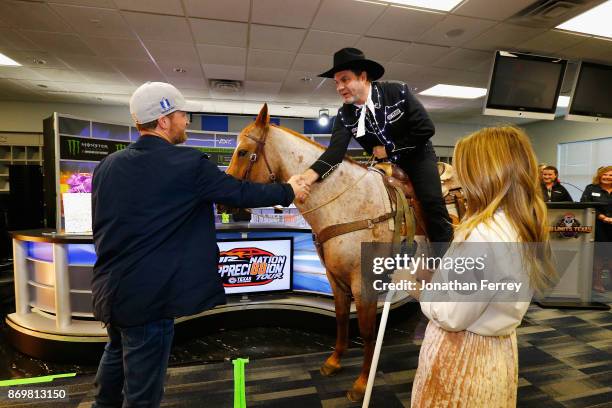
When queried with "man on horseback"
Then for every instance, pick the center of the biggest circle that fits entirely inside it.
(389, 122)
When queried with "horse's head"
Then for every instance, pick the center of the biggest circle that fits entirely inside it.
(250, 160)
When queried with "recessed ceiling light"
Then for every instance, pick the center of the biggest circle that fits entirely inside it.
(39, 61)
(442, 5)
(306, 79)
(454, 33)
(4, 60)
(563, 101)
(454, 91)
(42, 86)
(595, 21)
(180, 70)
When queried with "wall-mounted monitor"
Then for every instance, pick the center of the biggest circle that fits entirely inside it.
(524, 85)
(591, 99)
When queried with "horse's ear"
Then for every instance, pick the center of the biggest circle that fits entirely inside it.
(263, 118)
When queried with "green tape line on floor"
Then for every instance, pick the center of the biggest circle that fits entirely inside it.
(34, 380)
(239, 391)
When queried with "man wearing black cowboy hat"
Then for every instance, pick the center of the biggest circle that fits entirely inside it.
(388, 121)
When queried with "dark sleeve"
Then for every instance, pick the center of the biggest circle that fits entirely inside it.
(419, 126)
(334, 154)
(586, 194)
(566, 195)
(215, 186)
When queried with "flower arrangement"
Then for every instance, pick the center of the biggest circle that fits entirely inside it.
(79, 183)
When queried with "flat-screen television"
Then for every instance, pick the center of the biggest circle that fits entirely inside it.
(591, 99)
(524, 85)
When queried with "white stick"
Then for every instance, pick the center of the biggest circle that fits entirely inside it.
(377, 347)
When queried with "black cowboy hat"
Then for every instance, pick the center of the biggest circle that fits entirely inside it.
(348, 58)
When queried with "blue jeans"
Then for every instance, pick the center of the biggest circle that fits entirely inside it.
(133, 367)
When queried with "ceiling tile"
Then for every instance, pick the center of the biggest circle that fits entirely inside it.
(28, 58)
(403, 24)
(270, 59)
(455, 30)
(91, 3)
(217, 55)
(11, 39)
(219, 32)
(109, 48)
(326, 43)
(265, 74)
(421, 54)
(494, 10)
(86, 63)
(188, 82)
(380, 50)
(179, 52)
(191, 70)
(552, 41)
(58, 43)
(232, 72)
(152, 6)
(257, 90)
(198, 92)
(503, 36)
(157, 27)
(347, 16)
(276, 38)
(60, 75)
(287, 13)
(232, 10)
(590, 49)
(315, 64)
(137, 71)
(111, 78)
(94, 21)
(294, 82)
(469, 60)
(398, 71)
(19, 73)
(31, 16)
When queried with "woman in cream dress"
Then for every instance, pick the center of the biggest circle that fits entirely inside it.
(469, 355)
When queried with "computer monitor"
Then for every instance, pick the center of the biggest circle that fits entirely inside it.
(591, 99)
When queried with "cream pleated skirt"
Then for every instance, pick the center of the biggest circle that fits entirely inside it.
(463, 369)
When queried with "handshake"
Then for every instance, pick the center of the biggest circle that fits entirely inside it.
(301, 184)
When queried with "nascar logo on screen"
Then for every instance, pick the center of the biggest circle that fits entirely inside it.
(255, 266)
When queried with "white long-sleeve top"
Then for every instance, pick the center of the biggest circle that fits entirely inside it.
(490, 317)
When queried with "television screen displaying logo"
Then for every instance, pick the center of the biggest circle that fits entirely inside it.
(255, 265)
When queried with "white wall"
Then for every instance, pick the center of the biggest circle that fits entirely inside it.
(545, 135)
(28, 116)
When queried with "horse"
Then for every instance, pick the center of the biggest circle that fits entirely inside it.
(268, 153)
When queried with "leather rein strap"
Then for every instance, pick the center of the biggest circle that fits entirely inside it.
(259, 151)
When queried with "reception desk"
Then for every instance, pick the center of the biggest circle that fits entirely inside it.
(53, 299)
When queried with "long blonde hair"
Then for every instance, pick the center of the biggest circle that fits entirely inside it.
(600, 172)
(497, 169)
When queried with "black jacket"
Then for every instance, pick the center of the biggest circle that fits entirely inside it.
(557, 193)
(154, 230)
(402, 126)
(594, 193)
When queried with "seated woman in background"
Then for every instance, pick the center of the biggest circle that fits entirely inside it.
(600, 191)
(469, 355)
(552, 190)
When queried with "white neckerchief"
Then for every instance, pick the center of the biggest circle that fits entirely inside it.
(370, 105)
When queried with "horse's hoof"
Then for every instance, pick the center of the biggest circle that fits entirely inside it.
(355, 395)
(328, 370)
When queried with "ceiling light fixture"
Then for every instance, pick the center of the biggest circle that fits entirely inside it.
(39, 61)
(595, 21)
(179, 70)
(563, 101)
(4, 60)
(442, 5)
(454, 91)
(323, 117)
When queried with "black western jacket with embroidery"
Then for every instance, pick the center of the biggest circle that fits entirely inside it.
(401, 125)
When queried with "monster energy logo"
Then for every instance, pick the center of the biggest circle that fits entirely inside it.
(74, 146)
(120, 146)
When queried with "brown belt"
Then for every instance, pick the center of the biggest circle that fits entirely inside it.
(341, 229)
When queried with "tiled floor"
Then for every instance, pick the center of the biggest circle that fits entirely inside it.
(565, 361)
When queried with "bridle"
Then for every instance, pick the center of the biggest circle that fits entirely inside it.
(259, 151)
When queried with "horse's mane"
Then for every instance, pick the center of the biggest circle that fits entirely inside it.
(312, 142)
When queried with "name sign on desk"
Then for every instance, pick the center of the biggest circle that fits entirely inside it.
(257, 265)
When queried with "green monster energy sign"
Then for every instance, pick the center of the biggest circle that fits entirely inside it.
(84, 148)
